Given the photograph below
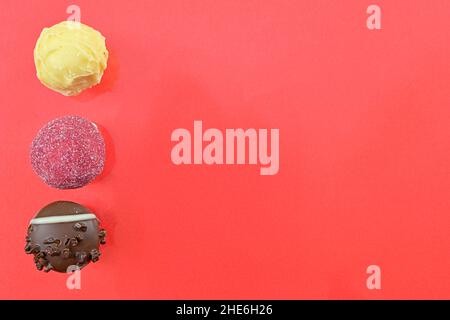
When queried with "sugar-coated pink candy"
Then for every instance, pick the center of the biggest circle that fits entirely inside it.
(68, 152)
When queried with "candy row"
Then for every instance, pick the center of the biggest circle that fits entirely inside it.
(68, 152)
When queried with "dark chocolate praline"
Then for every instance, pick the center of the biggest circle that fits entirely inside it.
(64, 234)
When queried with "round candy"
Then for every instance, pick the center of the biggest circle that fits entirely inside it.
(68, 152)
(70, 57)
(64, 236)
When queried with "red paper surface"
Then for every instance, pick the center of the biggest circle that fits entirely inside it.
(364, 120)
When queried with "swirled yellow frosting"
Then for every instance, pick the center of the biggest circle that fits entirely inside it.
(70, 57)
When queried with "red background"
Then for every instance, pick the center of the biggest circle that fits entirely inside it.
(364, 121)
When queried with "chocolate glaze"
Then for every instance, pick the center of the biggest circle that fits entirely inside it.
(56, 246)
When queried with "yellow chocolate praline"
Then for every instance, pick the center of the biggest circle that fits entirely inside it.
(70, 57)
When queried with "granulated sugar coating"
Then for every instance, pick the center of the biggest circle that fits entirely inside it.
(68, 152)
